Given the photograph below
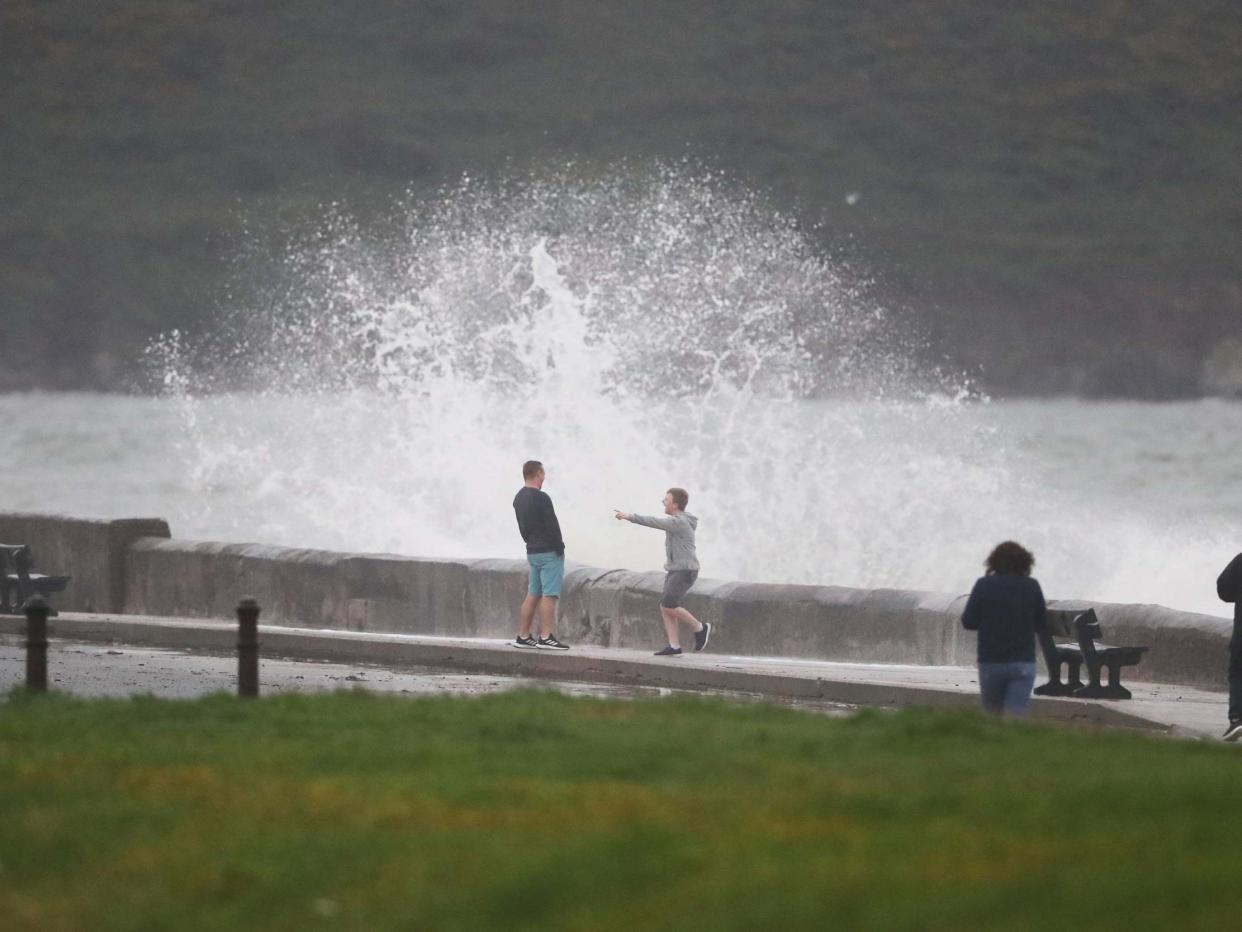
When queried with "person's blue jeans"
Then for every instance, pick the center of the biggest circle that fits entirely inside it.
(1006, 687)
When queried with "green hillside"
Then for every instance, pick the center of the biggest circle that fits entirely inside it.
(1052, 188)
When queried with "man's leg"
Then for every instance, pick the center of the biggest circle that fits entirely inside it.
(992, 681)
(551, 571)
(1018, 688)
(686, 618)
(547, 614)
(669, 617)
(1235, 674)
(526, 615)
(676, 584)
(702, 630)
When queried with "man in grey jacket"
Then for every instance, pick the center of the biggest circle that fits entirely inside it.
(681, 564)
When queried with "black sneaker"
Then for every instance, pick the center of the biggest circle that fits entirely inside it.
(552, 643)
(1233, 732)
(528, 641)
(669, 651)
(701, 636)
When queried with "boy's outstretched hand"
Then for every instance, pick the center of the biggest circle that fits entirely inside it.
(620, 515)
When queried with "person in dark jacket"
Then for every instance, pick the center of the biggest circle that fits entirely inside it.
(1229, 588)
(545, 558)
(1006, 607)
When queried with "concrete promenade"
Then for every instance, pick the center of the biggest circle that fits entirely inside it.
(134, 567)
(1170, 709)
(105, 670)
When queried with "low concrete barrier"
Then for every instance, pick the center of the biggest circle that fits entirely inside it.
(479, 598)
(310, 588)
(618, 608)
(94, 552)
(134, 567)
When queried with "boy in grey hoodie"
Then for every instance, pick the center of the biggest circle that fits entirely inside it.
(681, 564)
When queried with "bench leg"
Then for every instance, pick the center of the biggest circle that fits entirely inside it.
(1054, 686)
(1093, 689)
(1075, 677)
(1096, 690)
(1115, 689)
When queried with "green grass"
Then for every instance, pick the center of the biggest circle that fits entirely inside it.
(532, 810)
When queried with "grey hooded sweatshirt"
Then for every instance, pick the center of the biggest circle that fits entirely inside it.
(678, 531)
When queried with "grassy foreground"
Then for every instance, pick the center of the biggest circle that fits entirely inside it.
(531, 810)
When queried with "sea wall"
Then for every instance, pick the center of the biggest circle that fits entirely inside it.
(307, 588)
(93, 551)
(118, 569)
(479, 598)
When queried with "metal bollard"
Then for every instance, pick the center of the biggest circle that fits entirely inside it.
(36, 644)
(248, 648)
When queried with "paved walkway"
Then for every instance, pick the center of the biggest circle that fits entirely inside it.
(1164, 708)
(116, 670)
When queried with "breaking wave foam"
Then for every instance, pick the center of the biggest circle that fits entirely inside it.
(632, 334)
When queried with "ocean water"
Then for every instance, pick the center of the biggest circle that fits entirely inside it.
(1120, 501)
(382, 392)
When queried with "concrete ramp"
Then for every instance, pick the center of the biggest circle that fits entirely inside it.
(1159, 709)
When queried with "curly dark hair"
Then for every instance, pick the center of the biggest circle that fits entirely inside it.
(1010, 558)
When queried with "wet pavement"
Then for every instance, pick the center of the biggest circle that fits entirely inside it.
(87, 669)
(119, 655)
(1188, 710)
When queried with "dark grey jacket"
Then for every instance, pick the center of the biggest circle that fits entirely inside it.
(537, 522)
(1229, 587)
(1006, 610)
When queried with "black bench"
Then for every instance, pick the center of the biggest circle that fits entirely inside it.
(1084, 628)
(17, 577)
(1060, 625)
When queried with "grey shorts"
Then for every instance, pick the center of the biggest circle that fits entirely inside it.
(676, 585)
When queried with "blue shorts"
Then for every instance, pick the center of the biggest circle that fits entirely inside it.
(546, 570)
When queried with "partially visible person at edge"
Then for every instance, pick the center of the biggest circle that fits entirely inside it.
(545, 555)
(1229, 588)
(1006, 607)
(681, 567)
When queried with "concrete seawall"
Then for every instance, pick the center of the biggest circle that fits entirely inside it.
(135, 567)
(479, 598)
(93, 551)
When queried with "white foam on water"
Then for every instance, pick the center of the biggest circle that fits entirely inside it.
(632, 335)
